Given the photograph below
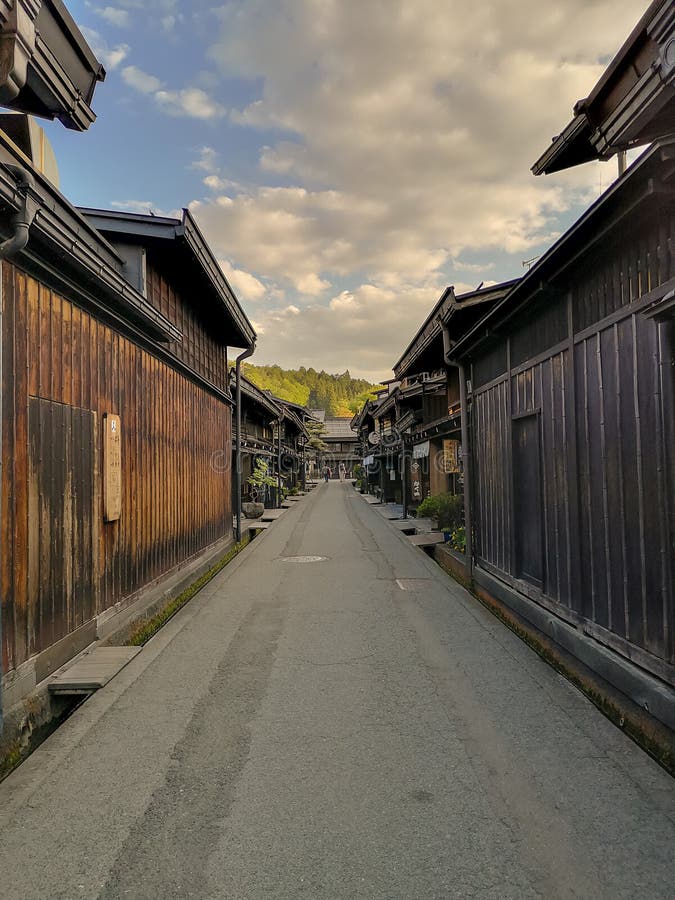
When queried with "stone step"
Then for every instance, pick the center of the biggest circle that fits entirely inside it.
(92, 670)
(426, 540)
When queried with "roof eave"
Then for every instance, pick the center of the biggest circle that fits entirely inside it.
(50, 70)
(427, 332)
(186, 232)
(535, 278)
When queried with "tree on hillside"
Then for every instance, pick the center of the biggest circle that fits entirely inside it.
(307, 387)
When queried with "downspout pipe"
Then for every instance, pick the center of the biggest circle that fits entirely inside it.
(239, 360)
(23, 218)
(20, 222)
(466, 447)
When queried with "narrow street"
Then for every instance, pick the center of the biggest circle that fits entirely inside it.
(352, 727)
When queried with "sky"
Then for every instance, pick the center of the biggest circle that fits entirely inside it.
(345, 159)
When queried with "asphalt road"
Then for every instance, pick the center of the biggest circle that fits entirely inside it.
(353, 727)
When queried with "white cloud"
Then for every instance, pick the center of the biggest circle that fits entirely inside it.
(415, 123)
(331, 336)
(192, 102)
(207, 159)
(114, 15)
(245, 285)
(216, 183)
(140, 80)
(111, 57)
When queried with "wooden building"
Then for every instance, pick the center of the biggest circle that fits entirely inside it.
(260, 415)
(292, 439)
(116, 412)
(572, 379)
(365, 427)
(387, 446)
(428, 417)
(342, 442)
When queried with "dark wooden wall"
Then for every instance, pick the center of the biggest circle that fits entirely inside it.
(600, 379)
(199, 349)
(62, 370)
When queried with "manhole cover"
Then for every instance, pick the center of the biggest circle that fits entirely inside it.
(303, 559)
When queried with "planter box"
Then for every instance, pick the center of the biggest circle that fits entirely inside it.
(252, 510)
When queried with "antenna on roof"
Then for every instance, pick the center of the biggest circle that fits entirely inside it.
(527, 263)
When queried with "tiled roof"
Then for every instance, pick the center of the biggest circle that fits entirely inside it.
(339, 428)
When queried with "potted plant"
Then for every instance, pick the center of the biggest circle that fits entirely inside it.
(429, 509)
(258, 480)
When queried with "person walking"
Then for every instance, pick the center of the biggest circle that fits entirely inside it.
(326, 474)
(342, 470)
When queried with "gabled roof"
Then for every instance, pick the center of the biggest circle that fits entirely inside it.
(633, 103)
(185, 251)
(386, 404)
(253, 394)
(294, 414)
(429, 333)
(366, 410)
(425, 352)
(469, 308)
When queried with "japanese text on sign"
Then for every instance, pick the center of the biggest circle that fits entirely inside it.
(112, 468)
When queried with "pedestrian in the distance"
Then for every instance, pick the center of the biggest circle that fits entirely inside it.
(326, 474)
(342, 471)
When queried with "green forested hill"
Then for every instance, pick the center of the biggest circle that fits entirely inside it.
(339, 395)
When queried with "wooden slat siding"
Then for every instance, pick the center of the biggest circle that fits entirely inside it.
(630, 266)
(568, 477)
(174, 501)
(647, 388)
(35, 561)
(493, 500)
(609, 406)
(7, 523)
(661, 488)
(21, 614)
(631, 485)
(544, 395)
(198, 349)
(667, 378)
(612, 487)
(62, 500)
(604, 563)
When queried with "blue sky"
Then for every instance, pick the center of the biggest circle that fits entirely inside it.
(346, 159)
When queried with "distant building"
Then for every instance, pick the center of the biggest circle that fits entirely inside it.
(342, 442)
